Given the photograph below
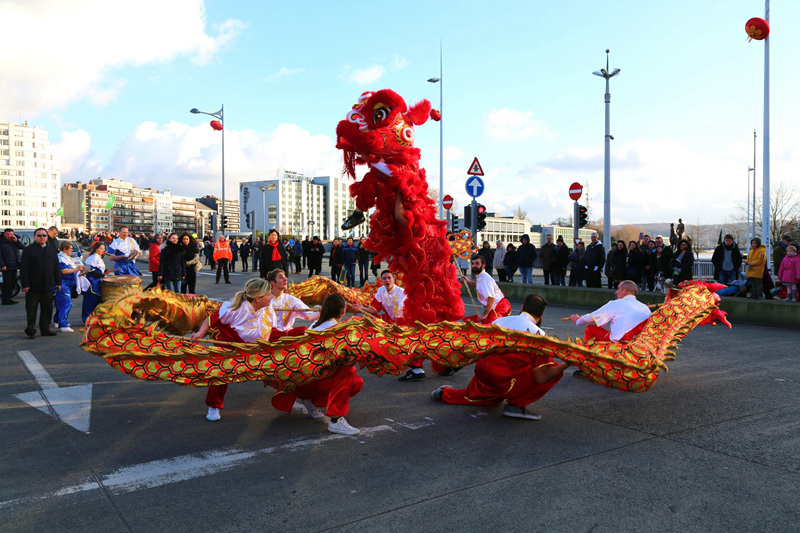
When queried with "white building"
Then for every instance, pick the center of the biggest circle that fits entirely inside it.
(29, 178)
(298, 205)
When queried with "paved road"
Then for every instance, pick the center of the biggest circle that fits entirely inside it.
(713, 446)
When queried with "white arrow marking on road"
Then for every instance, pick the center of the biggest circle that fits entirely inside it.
(475, 185)
(72, 405)
(187, 467)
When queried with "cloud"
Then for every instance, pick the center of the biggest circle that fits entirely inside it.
(363, 76)
(65, 51)
(286, 71)
(187, 159)
(399, 63)
(501, 125)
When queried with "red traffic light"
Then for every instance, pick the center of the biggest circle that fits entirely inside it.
(481, 209)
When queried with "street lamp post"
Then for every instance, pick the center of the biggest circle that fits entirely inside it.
(221, 116)
(607, 74)
(441, 134)
(264, 208)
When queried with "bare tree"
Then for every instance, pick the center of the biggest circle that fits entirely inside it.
(784, 213)
(565, 222)
(520, 213)
(628, 233)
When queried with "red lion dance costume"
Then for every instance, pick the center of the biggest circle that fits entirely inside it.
(379, 132)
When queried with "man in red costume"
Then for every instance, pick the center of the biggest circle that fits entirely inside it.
(518, 378)
(625, 316)
(495, 304)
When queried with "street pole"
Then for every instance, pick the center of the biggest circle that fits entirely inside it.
(765, 188)
(749, 170)
(474, 221)
(441, 131)
(221, 116)
(263, 210)
(605, 73)
(575, 222)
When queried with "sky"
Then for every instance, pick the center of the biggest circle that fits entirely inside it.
(113, 82)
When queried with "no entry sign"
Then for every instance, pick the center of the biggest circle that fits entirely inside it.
(447, 202)
(575, 191)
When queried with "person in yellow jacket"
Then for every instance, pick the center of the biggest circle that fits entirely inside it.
(222, 256)
(754, 267)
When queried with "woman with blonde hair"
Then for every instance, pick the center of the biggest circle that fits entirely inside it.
(246, 318)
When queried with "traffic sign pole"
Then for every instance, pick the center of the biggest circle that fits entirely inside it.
(575, 222)
(474, 221)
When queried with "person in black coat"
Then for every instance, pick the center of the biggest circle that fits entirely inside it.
(510, 262)
(526, 255)
(40, 273)
(335, 261)
(593, 261)
(683, 263)
(488, 255)
(172, 270)
(9, 263)
(661, 260)
(559, 262)
(314, 257)
(273, 254)
(190, 257)
(727, 260)
(364, 262)
(636, 262)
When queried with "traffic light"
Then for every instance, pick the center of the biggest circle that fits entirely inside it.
(453, 222)
(583, 216)
(224, 222)
(481, 216)
(467, 216)
(247, 220)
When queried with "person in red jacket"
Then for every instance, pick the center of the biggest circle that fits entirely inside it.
(154, 253)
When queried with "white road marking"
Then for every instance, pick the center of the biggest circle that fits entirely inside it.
(186, 467)
(71, 405)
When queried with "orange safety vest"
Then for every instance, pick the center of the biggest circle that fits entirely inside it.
(222, 250)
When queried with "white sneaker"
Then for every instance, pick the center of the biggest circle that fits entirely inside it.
(313, 410)
(213, 414)
(342, 427)
(66, 329)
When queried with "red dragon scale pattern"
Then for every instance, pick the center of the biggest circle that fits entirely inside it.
(132, 333)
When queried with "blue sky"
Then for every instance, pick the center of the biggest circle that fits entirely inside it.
(113, 83)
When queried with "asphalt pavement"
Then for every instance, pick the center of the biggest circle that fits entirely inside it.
(713, 446)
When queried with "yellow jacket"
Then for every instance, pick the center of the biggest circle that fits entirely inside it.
(757, 259)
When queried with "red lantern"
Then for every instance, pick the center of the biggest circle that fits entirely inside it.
(757, 28)
(216, 124)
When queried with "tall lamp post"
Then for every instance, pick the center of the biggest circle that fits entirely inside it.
(607, 74)
(221, 116)
(441, 135)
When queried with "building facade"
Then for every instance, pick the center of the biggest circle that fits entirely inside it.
(29, 178)
(232, 213)
(105, 205)
(297, 205)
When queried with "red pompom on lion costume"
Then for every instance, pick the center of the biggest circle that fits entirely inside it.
(379, 132)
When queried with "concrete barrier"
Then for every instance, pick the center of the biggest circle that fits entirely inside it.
(768, 312)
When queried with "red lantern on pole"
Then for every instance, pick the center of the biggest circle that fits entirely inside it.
(757, 28)
(216, 124)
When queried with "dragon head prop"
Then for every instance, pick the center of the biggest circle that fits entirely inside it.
(380, 127)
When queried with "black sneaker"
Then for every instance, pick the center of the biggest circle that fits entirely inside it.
(512, 411)
(412, 376)
(580, 374)
(436, 395)
(450, 371)
(353, 220)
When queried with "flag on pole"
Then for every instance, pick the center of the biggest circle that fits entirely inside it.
(110, 202)
(60, 211)
(83, 207)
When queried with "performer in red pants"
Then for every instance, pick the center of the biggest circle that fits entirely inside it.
(246, 318)
(518, 378)
(333, 392)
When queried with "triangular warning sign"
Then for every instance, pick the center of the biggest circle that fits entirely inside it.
(475, 168)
